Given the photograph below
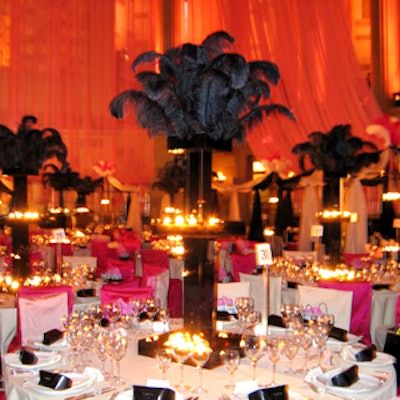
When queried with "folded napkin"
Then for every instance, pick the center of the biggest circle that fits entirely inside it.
(347, 377)
(85, 293)
(276, 320)
(366, 354)
(338, 334)
(152, 393)
(272, 393)
(52, 336)
(27, 356)
(223, 316)
(54, 381)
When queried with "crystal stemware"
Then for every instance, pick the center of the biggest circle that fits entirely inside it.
(291, 347)
(274, 349)
(138, 306)
(254, 348)
(117, 347)
(231, 359)
(152, 306)
(305, 341)
(181, 354)
(164, 360)
(112, 312)
(200, 355)
(100, 347)
(164, 314)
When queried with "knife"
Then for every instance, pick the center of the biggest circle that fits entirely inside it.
(93, 393)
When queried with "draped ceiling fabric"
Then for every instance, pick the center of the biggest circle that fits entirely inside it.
(63, 61)
(321, 79)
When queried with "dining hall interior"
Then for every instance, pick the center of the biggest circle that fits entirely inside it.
(199, 199)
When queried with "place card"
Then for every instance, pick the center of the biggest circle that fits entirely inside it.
(263, 254)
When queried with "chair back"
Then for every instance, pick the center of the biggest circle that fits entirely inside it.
(360, 323)
(259, 292)
(338, 303)
(126, 268)
(102, 252)
(227, 292)
(40, 309)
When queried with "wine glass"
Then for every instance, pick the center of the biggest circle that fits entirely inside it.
(291, 347)
(164, 360)
(274, 349)
(164, 314)
(305, 341)
(137, 306)
(253, 318)
(200, 355)
(243, 306)
(100, 346)
(254, 348)
(73, 336)
(231, 359)
(319, 338)
(181, 351)
(152, 306)
(117, 347)
(112, 312)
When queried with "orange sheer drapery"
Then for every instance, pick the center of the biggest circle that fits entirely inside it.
(321, 78)
(63, 62)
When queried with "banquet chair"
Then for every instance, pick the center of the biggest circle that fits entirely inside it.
(227, 292)
(101, 250)
(123, 292)
(157, 277)
(158, 258)
(337, 302)
(40, 309)
(258, 291)
(245, 263)
(360, 322)
(126, 268)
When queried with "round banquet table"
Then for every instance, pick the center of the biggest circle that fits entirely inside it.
(137, 369)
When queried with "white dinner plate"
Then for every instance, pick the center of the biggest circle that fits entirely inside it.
(80, 383)
(366, 383)
(128, 395)
(381, 360)
(60, 344)
(338, 345)
(45, 359)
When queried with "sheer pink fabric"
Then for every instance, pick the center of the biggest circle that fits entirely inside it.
(321, 78)
(360, 323)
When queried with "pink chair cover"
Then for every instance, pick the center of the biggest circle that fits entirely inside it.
(122, 293)
(245, 263)
(36, 292)
(397, 319)
(101, 250)
(155, 257)
(360, 323)
(66, 248)
(125, 267)
(175, 298)
(355, 260)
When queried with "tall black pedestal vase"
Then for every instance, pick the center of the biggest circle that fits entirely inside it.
(332, 238)
(20, 229)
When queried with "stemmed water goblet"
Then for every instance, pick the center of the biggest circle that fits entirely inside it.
(138, 306)
(182, 350)
(305, 334)
(100, 346)
(164, 360)
(253, 318)
(231, 359)
(243, 306)
(319, 338)
(117, 346)
(274, 349)
(254, 348)
(164, 314)
(112, 312)
(152, 306)
(200, 355)
(291, 347)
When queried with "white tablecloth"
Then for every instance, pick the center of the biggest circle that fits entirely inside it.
(137, 369)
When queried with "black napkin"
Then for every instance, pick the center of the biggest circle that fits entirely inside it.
(223, 316)
(346, 378)
(27, 356)
(85, 293)
(273, 393)
(339, 334)
(54, 381)
(152, 393)
(275, 320)
(52, 336)
(366, 354)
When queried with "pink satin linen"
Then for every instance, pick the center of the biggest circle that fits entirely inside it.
(360, 323)
(125, 267)
(245, 263)
(122, 293)
(398, 312)
(175, 298)
(101, 250)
